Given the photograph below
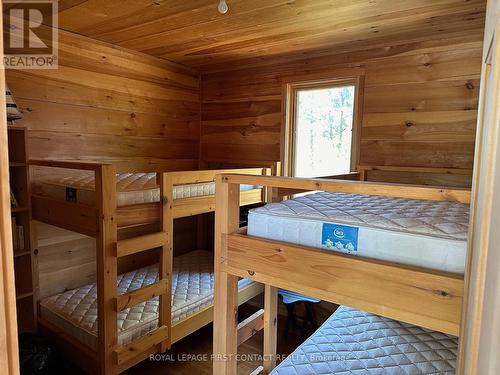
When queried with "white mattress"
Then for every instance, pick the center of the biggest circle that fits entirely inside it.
(414, 232)
(132, 188)
(353, 342)
(75, 311)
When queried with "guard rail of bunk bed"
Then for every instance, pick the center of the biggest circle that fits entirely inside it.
(424, 297)
(102, 222)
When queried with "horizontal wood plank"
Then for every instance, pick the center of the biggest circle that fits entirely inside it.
(422, 297)
(141, 243)
(250, 326)
(143, 294)
(72, 216)
(355, 187)
(127, 352)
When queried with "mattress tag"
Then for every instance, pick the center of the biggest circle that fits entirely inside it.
(340, 238)
(71, 194)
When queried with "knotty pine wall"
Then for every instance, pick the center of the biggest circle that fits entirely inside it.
(419, 106)
(105, 102)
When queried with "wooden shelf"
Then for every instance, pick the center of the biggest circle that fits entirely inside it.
(25, 261)
(19, 209)
(21, 253)
(24, 295)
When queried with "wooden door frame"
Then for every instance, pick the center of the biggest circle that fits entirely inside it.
(480, 316)
(289, 91)
(9, 355)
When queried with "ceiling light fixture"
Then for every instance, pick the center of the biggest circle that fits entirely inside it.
(223, 8)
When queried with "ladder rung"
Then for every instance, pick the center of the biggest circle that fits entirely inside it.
(134, 297)
(250, 326)
(127, 352)
(141, 243)
(257, 371)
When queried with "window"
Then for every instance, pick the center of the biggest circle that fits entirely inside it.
(322, 129)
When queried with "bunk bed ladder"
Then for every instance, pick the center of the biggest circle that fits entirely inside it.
(158, 340)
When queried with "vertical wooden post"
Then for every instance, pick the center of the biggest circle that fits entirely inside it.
(362, 174)
(270, 327)
(105, 187)
(166, 255)
(9, 355)
(227, 205)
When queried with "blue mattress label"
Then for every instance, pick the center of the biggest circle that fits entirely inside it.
(340, 237)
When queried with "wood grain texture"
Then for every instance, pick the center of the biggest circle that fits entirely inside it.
(423, 297)
(104, 102)
(419, 106)
(195, 34)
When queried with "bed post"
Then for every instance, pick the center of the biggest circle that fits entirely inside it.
(270, 301)
(362, 173)
(270, 327)
(166, 255)
(105, 187)
(226, 285)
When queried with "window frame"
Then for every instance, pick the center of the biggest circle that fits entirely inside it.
(290, 90)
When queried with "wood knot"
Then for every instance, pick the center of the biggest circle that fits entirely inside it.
(409, 124)
(443, 293)
(251, 273)
(469, 86)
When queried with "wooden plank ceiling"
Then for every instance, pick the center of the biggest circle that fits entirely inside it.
(192, 32)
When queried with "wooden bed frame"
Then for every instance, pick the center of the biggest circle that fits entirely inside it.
(102, 222)
(423, 297)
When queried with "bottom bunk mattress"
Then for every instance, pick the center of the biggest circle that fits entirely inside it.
(414, 232)
(353, 342)
(75, 311)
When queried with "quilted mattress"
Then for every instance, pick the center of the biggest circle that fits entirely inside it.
(409, 231)
(132, 188)
(75, 311)
(353, 342)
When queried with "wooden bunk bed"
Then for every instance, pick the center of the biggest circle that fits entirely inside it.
(103, 219)
(425, 297)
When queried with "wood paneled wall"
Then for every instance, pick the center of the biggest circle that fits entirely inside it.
(105, 102)
(419, 106)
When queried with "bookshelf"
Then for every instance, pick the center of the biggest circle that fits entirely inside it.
(25, 264)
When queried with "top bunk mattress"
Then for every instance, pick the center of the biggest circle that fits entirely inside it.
(131, 188)
(353, 342)
(430, 234)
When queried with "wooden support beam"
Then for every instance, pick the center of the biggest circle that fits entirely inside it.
(226, 286)
(270, 327)
(142, 243)
(127, 352)
(250, 326)
(427, 298)
(107, 335)
(70, 164)
(72, 216)
(166, 254)
(355, 187)
(137, 296)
